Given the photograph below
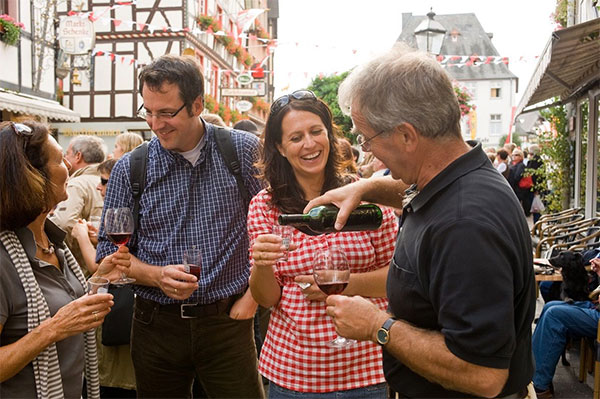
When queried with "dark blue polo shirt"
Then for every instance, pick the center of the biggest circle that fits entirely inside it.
(463, 266)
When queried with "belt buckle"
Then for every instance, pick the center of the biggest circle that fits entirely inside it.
(184, 306)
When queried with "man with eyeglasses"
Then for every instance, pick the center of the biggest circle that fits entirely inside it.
(186, 327)
(461, 284)
(84, 153)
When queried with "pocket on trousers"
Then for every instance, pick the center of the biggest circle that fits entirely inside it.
(143, 313)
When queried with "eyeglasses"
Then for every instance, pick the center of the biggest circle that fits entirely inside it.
(22, 130)
(284, 100)
(142, 113)
(103, 181)
(364, 143)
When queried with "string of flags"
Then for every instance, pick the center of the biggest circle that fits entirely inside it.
(245, 18)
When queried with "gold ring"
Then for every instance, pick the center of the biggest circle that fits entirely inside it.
(175, 290)
(95, 316)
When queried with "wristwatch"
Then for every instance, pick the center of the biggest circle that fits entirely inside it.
(383, 334)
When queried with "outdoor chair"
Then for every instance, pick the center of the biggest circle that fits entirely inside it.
(550, 217)
(589, 360)
(566, 232)
(589, 240)
(552, 224)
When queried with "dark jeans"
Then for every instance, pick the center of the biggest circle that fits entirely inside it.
(168, 352)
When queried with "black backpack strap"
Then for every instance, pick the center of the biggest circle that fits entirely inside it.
(225, 146)
(137, 177)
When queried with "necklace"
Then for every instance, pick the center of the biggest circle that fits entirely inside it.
(49, 250)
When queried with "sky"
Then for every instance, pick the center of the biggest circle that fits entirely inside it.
(327, 36)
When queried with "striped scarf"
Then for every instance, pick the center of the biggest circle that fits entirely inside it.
(46, 369)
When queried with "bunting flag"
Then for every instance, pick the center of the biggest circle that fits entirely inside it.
(473, 60)
(245, 18)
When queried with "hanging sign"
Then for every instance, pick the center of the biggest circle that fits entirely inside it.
(244, 79)
(239, 92)
(76, 34)
(243, 105)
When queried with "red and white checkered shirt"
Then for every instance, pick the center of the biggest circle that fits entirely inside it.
(295, 354)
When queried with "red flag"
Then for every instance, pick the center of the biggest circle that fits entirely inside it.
(510, 125)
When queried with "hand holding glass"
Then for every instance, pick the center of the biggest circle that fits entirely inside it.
(332, 274)
(285, 232)
(97, 285)
(192, 260)
(118, 226)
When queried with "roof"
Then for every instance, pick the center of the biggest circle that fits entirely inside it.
(568, 65)
(26, 104)
(464, 36)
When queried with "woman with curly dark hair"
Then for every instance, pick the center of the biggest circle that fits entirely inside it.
(301, 160)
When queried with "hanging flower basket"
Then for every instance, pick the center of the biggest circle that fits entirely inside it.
(10, 30)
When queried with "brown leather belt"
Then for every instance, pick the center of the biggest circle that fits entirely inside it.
(189, 310)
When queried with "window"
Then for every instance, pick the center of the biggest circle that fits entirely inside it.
(495, 92)
(495, 124)
(203, 7)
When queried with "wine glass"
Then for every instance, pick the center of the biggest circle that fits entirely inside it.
(285, 232)
(192, 260)
(332, 274)
(118, 226)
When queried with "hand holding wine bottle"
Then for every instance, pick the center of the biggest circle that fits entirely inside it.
(118, 226)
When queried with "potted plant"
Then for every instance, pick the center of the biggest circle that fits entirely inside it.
(10, 30)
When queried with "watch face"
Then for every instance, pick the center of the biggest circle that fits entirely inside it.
(382, 336)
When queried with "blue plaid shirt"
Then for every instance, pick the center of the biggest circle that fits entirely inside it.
(184, 205)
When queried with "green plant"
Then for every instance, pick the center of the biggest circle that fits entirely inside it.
(243, 57)
(560, 13)
(10, 30)
(558, 155)
(464, 98)
(326, 88)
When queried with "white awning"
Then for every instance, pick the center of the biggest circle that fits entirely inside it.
(570, 63)
(26, 104)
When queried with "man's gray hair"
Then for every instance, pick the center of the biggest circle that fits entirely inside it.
(92, 148)
(403, 86)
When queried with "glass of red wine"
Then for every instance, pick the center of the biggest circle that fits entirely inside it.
(192, 260)
(332, 274)
(118, 226)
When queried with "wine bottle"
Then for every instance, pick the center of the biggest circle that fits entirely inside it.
(321, 219)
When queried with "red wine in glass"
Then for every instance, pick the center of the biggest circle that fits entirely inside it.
(332, 288)
(192, 260)
(119, 238)
(118, 226)
(332, 274)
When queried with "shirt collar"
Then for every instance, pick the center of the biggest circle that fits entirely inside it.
(464, 164)
(171, 156)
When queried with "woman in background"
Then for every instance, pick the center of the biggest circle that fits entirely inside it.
(126, 142)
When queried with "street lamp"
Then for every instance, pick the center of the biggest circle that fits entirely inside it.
(430, 34)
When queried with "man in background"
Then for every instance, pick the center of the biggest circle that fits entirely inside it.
(84, 153)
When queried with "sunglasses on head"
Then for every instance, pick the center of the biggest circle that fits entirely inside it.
(23, 131)
(284, 100)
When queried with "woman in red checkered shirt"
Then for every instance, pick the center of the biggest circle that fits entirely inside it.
(300, 161)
